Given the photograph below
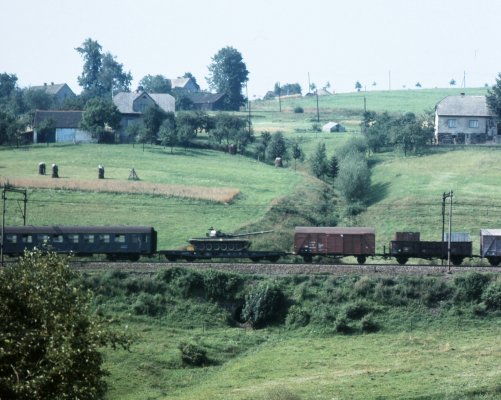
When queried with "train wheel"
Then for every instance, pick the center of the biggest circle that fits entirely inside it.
(402, 260)
(111, 257)
(456, 260)
(255, 259)
(361, 259)
(133, 257)
(494, 261)
(273, 258)
(307, 258)
(171, 258)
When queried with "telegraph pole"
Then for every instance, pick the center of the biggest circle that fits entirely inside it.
(4, 210)
(444, 197)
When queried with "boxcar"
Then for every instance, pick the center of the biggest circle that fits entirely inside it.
(402, 250)
(490, 245)
(334, 241)
(116, 242)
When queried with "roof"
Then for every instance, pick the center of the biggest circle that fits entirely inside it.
(56, 229)
(62, 119)
(179, 82)
(204, 98)
(335, 230)
(464, 106)
(125, 101)
(490, 232)
(50, 89)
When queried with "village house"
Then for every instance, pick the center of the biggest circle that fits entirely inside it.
(132, 105)
(465, 120)
(187, 85)
(60, 91)
(51, 126)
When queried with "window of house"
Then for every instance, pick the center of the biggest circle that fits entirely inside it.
(473, 123)
(451, 123)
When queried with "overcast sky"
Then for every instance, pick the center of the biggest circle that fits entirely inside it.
(394, 43)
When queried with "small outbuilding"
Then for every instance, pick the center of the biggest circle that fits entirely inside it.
(333, 127)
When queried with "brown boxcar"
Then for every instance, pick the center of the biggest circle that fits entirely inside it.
(334, 241)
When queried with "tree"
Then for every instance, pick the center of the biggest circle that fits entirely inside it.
(358, 86)
(153, 117)
(168, 131)
(493, 97)
(297, 152)
(333, 167)
(319, 164)
(377, 128)
(8, 84)
(418, 85)
(354, 179)
(277, 147)
(49, 340)
(156, 84)
(187, 128)
(452, 82)
(227, 128)
(136, 132)
(101, 74)
(227, 74)
(101, 117)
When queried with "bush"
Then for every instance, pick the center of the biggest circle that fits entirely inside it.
(368, 325)
(364, 287)
(342, 325)
(297, 317)
(263, 305)
(470, 287)
(193, 355)
(492, 296)
(356, 310)
(147, 304)
(298, 110)
(221, 286)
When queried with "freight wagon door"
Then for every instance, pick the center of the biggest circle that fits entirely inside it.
(334, 244)
(353, 244)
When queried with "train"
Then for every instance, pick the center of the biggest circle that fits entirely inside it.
(131, 242)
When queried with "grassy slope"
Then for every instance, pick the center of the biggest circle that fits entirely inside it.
(176, 219)
(446, 361)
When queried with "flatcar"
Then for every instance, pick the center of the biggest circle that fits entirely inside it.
(490, 245)
(115, 242)
(408, 245)
(334, 241)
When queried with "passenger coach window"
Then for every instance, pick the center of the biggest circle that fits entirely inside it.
(73, 238)
(43, 238)
(119, 238)
(104, 238)
(27, 239)
(11, 238)
(57, 239)
(135, 239)
(88, 238)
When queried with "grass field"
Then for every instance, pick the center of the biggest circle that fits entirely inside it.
(177, 218)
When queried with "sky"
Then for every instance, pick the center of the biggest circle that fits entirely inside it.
(383, 44)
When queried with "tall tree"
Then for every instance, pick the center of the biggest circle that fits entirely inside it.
(319, 163)
(102, 74)
(152, 119)
(297, 152)
(167, 132)
(156, 84)
(277, 147)
(227, 74)
(101, 117)
(493, 97)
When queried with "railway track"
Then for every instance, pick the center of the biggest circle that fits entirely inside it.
(283, 268)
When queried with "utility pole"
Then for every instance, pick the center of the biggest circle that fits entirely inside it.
(444, 197)
(4, 210)
(279, 98)
(318, 112)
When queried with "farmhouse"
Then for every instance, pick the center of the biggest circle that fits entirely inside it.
(132, 105)
(60, 91)
(58, 127)
(465, 120)
(184, 85)
(207, 101)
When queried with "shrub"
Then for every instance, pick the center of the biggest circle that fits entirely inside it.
(342, 325)
(193, 355)
(492, 296)
(147, 304)
(298, 110)
(356, 310)
(368, 325)
(263, 305)
(364, 287)
(470, 287)
(297, 317)
(221, 286)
